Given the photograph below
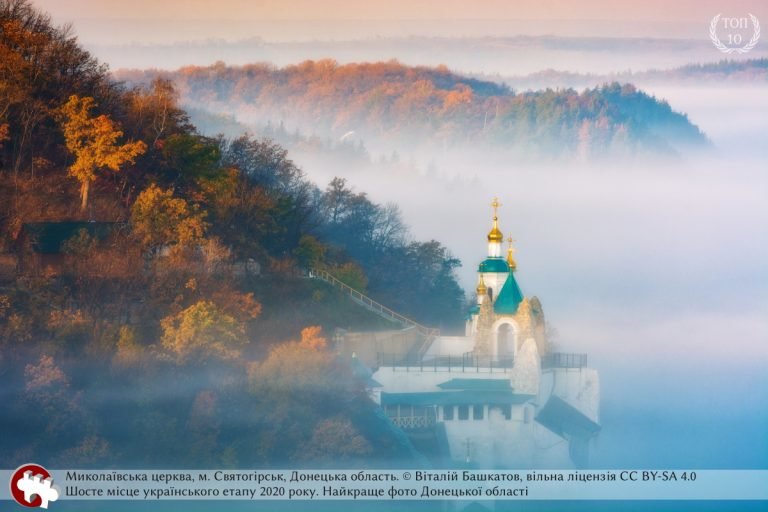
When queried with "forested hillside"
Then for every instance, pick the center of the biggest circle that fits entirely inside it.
(154, 304)
(434, 108)
(723, 73)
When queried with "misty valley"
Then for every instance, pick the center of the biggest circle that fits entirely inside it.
(285, 261)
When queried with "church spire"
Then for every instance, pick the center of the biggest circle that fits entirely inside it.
(510, 256)
(495, 236)
(482, 290)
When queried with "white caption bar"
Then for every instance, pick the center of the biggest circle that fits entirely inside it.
(77, 484)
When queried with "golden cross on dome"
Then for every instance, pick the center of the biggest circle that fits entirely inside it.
(495, 204)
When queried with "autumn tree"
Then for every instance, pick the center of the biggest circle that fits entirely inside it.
(55, 412)
(41, 65)
(153, 112)
(158, 218)
(297, 366)
(93, 142)
(307, 394)
(202, 332)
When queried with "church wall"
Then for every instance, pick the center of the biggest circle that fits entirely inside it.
(450, 345)
(498, 442)
(580, 387)
(495, 281)
(366, 345)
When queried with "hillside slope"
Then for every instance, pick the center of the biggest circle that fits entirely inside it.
(433, 108)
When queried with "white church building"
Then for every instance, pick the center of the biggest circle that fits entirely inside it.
(497, 397)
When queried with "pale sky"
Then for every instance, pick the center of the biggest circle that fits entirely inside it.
(679, 10)
(97, 21)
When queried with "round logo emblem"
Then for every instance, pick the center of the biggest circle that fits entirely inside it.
(32, 486)
(734, 38)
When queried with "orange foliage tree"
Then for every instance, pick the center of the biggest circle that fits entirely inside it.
(93, 142)
(200, 333)
(158, 218)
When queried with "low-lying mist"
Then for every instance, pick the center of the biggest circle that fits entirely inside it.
(505, 55)
(656, 268)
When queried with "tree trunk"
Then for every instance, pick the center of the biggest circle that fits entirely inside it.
(85, 188)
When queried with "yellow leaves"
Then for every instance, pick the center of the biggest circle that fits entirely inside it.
(311, 338)
(240, 305)
(93, 142)
(190, 230)
(158, 218)
(105, 151)
(200, 333)
(67, 321)
(305, 366)
(215, 255)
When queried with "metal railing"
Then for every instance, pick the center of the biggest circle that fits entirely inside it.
(378, 308)
(466, 363)
(563, 360)
(469, 363)
(414, 422)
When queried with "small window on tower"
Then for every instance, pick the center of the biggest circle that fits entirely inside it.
(490, 293)
(477, 412)
(448, 412)
(463, 412)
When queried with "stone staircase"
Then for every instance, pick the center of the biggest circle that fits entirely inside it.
(428, 333)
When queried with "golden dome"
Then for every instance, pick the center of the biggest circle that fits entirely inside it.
(481, 288)
(495, 235)
(510, 258)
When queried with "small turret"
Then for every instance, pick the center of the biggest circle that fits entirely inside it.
(510, 256)
(482, 290)
(495, 236)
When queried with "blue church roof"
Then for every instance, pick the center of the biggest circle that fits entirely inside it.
(562, 418)
(493, 265)
(509, 297)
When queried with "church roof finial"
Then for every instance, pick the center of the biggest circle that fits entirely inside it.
(510, 256)
(481, 288)
(495, 235)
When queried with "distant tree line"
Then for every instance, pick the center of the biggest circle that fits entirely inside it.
(435, 108)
